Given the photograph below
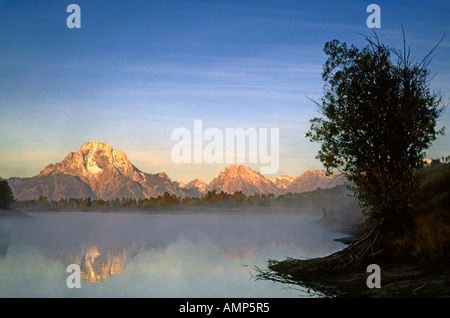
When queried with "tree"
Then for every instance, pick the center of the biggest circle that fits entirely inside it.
(378, 117)
(6, 195)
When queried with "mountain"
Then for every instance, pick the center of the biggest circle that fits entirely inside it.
(53, 187)
(195, 188)
(241, 178)
(313, 179)
(97, 171)
(283, 181)
(199, 184)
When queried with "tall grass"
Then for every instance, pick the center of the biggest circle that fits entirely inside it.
(431, 238)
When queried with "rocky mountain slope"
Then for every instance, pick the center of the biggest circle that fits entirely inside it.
(96, 171)
(195, 188)
(283, 181)
(313, 179)
(241, 178)
(99, 171)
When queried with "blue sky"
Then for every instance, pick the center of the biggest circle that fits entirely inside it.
(136, 70)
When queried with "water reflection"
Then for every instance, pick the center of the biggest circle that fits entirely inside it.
(105, 244)
(96, 263)
(4, 243)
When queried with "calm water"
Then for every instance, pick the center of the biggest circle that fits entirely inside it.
(159, 255)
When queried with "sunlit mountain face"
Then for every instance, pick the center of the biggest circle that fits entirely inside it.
(99, 171)
(96, 171)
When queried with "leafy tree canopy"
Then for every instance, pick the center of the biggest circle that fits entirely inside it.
(378, 116)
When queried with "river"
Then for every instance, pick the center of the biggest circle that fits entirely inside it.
(155, 255)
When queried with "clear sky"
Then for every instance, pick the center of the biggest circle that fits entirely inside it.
(136, 70)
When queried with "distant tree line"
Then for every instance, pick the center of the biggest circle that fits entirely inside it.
(169, 201)
(434, 191)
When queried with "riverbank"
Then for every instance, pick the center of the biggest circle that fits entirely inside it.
(397, 281)
(421, 267)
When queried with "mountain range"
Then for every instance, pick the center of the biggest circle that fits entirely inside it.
(99, 171)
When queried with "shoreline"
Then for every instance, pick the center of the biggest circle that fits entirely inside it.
(420, 280)
(13, 213)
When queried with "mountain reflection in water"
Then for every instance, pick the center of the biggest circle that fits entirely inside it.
(96, 263)
(174, 246)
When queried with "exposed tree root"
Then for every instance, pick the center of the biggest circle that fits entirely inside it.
(359, 253)
(375, 246)
(343, 273)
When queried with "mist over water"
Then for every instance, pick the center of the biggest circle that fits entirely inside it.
(155, 255)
